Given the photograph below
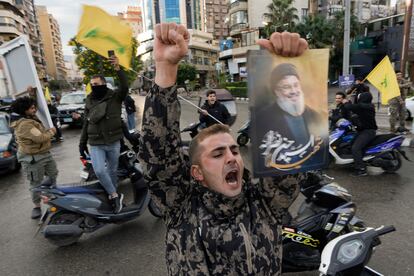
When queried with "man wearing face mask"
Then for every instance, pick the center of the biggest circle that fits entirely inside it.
(102, 130)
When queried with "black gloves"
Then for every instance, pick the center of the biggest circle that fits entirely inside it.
(83, 150)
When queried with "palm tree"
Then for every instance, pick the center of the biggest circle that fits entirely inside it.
(317, 30)
(281, 16)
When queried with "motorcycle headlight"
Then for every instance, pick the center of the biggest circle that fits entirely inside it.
(350, 250)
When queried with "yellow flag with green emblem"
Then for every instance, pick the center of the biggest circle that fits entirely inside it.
(100, 32)
(48, 98)
(88, 89)
(384, 79)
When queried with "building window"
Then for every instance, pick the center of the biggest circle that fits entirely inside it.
(172, 11)
(305, 12)
(239, 17)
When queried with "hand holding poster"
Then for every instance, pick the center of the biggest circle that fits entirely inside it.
(289, 110)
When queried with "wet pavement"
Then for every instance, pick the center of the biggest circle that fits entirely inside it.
(137, 247)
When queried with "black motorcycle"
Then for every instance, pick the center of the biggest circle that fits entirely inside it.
(243, 138)
(193, 129)
(327, 213)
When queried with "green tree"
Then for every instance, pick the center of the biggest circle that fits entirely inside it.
(281, 16)
(186, 71)
(317, 30)
(93, 64)
(338, 39)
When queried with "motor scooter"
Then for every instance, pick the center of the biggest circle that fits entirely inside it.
(243, 138)
(349, 254)
(383, 151)
(327, 213)
(74, 210)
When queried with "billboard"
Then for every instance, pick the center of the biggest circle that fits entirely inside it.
(20, 71)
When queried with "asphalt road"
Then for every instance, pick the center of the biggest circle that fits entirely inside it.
(137, 247)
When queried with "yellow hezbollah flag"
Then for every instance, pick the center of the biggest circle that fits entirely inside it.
(384, 79)
(88, 89)
(100, 32)
(47, 95)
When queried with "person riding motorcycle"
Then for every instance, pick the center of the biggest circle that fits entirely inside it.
(366, 128)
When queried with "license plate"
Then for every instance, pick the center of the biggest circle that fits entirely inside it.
(84, 175)
(67, 120)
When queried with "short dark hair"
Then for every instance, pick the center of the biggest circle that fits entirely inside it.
(209, 92)
(99, 77)
(194, 151)
(360, 78)
(341, 94)
(20, 105)
(397, 71)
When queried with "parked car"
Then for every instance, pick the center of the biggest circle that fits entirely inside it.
(71, 108)
(8, 146)
(409, 104)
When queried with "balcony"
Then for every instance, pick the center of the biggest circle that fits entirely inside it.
(238, 6)
(242, 51)
(9, 30)
(237, 28)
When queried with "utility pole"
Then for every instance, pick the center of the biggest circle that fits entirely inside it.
(347, 23)
(406, 39)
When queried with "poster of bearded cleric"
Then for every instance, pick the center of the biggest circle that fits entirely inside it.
(289, 112)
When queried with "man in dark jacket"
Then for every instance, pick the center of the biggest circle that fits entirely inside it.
(215, 109)
(219, 223)
(357, 88)
(367, 126)
(339, 111)
(102, 129)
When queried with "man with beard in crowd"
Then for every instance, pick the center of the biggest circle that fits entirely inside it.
(102, 130)
(288, 115)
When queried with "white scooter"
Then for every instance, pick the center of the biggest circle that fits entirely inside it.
(348, 255)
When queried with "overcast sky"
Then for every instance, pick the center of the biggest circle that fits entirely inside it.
(68, 12)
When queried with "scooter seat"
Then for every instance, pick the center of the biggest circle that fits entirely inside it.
(379, 139)
(94, 188)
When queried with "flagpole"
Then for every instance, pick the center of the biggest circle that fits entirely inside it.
(182, 98)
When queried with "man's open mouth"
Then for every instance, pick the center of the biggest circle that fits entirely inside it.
(232, 178)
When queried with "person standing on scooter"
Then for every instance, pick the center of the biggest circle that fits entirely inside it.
(218, 221)
(102, 129)
(215, 109)
(34, 144)
(366, 129)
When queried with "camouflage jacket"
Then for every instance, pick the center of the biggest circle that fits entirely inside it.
(207, 233)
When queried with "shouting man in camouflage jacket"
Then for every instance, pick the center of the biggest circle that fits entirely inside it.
(218, 223)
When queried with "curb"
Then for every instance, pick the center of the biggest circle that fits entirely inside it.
(242, 99)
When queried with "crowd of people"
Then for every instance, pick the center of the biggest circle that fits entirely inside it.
(218, 219)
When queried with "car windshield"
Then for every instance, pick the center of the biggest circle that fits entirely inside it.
(231, 107)
(73, 99)
(4, 128)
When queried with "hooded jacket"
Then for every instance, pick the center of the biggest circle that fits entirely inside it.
(31, 136)
(365, 110)
(103, 124)
(208, 233)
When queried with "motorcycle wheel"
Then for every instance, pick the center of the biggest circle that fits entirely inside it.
(396, 163)
(154, 210)
(242, 140)
(59, 219)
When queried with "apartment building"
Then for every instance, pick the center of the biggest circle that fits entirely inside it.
(50, 31)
